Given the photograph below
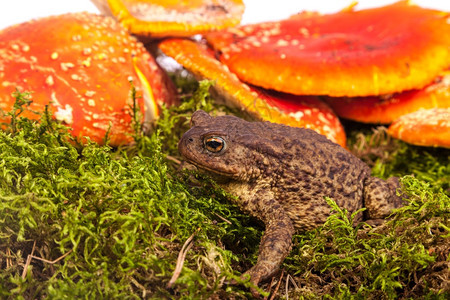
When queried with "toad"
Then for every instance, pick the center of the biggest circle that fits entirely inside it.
(281, 175)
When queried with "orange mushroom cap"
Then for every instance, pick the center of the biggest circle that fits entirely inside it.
(386, 109)
(82, 64)
(350, 53)
(425, 127)
(299, 111)
(158, 18)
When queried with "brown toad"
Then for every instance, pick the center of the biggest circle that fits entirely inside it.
(281, 175)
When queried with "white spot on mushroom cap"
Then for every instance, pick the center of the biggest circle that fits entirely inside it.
(87, 51)
(322, 118)
(75, 77)
(54, 99)
(66, 66)
(282, 43)
(304, 31)
(64, 114)
(256, 44)
(101, 126)
(298, 115)
(87, 62)
(49, 80)
(89, 93)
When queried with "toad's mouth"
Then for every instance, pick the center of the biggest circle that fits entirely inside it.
(212, 171)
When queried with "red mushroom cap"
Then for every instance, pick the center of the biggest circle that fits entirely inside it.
(425, 127)
(351, 53)
(159, 18)
(82, 63)
(298, 111)
(386, 109)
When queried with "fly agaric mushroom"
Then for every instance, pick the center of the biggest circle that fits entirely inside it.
(178, 18)
(350, 53)
(385, 109)
(425, 127)
(300, 111)
(82, 64)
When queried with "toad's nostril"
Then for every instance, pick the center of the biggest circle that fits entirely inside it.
(190, 140)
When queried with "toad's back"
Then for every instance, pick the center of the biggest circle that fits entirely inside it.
(306, 168)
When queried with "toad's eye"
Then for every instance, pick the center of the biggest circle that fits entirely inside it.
(214, 144)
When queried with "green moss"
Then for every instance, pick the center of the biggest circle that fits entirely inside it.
(406, 257)
(390, 157)
(122, 216)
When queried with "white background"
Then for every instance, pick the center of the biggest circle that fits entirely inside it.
(17, 11)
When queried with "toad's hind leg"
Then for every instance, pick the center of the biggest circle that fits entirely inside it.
(380, 197)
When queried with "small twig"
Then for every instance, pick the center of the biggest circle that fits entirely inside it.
(278, 285)
(289, 278)
(144, 291)
(51, 261)
(31, 256)
(24, 273)
(171, 158)
(8, 258)
(223, 219)
(180, 260)
(415, 277)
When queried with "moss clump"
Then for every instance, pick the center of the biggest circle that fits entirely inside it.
(391, 157)
(121, 217)
(408, 257)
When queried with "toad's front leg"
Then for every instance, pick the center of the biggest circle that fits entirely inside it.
(276, 242)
